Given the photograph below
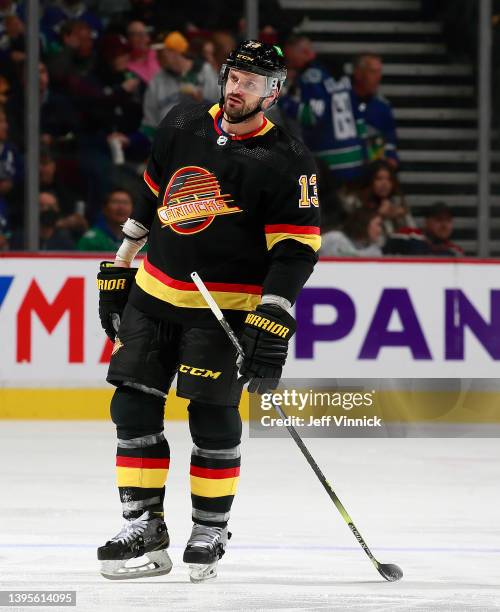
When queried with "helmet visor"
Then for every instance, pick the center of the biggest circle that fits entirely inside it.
(241, 81)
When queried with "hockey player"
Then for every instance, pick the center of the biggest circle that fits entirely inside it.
(228, 194)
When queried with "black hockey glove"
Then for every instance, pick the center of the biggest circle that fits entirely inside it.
(114, 286)
(265, 344)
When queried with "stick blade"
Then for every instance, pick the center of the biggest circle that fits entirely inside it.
(390, 571)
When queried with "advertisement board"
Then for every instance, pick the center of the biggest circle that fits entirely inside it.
(391, 318)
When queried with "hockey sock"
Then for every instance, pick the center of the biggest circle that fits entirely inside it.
(143, 454)
(214, 478)
(141, 472)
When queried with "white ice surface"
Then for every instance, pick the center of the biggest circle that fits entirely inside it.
(431, 506)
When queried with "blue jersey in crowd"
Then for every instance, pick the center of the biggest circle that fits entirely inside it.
(340, 128)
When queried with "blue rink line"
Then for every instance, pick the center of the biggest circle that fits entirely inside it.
(443, 549)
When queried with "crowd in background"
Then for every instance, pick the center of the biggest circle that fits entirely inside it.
(111, 69)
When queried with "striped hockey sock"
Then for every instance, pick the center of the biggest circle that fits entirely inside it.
(141, 472)
(214, 480)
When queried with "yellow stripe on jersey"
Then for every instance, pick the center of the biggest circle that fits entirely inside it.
(193, 299)
(312, 240)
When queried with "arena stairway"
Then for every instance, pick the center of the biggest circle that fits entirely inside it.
(433, 97)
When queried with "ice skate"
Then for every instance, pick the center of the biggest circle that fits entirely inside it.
(203, 551)
(145, 537)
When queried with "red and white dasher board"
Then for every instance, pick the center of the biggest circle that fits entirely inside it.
(356, 319)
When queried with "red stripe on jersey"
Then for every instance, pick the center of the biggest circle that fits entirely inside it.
(142, 462)
(291, 229)
(150, 181)
(214, 473)
(185, 286)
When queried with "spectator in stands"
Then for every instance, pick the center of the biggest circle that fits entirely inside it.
(433, 240)
(361, 236)
(119, 92)
(106, 234)
(59, 120)
(75, 60)
(143, 59)
(12, 42)
(373, 110)
(384, 194)
(58, 117)
(52, 237)
(204, 48)
(224, 43)
(344, 122)
(57, 14)
(381, 192)
(71, 207)
(323, 109)
(11, 174)
(307, 93)
(181, 79)
(299, 55)
(109, 102)
(50, 183)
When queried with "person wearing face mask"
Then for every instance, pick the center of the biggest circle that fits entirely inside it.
(52, 237)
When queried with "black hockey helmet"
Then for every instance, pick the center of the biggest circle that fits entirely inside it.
(258, 58)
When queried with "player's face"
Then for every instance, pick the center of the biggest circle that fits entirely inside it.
(243, 93)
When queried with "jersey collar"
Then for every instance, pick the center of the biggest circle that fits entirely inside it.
(216, 113)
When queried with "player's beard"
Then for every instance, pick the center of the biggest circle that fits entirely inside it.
(234, 114)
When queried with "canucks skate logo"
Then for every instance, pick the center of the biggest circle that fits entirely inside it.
(192, 200)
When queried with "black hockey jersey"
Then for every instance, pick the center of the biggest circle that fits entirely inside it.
(241, 211)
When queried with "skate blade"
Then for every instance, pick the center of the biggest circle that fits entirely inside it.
(158, 563)
(201, 572)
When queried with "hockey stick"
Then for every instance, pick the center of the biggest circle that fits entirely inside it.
(389, 571)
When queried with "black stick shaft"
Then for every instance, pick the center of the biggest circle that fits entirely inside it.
(327, 486)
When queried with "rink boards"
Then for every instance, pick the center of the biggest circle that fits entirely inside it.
(357, 319)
